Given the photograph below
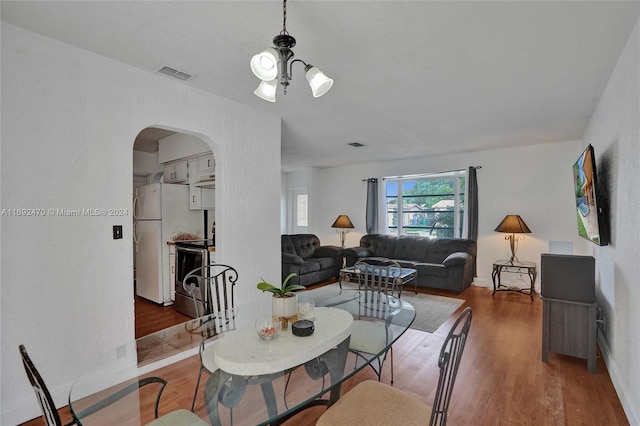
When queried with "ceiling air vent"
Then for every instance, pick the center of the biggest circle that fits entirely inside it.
(356, 144)
(175, 73)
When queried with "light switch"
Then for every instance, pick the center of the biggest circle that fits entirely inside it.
(117, 232)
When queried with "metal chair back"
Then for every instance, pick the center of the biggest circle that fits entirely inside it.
(448, 362)
(49, 411)
(377, 278)
(215, 283)
(378, 274)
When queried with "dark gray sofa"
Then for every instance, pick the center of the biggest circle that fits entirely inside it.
(312, 262)
(444, 263)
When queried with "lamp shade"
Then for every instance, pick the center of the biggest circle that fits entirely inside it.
(265, 64)
(320, 83)
(513, 224)
(343, 221)
(267, 90)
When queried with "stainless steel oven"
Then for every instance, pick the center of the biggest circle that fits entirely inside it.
(190, 256)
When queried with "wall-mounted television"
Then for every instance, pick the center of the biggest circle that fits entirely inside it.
(589, 200)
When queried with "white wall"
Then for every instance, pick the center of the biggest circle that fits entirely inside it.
(534, 182)
(69, 120)
(614, 132)
(146, 163)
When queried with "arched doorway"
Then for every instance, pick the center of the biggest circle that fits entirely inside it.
(166, 177)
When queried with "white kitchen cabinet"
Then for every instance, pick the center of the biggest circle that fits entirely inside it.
(176, 172)
(201, 198)
(206, 168)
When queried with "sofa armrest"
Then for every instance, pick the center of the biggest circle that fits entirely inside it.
(328, 251)
(292, 258)
(458, 258)
(358, 252)
(353, 254)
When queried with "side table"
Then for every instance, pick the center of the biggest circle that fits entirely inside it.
(516, 267)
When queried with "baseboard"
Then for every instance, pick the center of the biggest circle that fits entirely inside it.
(629, 406)
(24, 411)
(482, 282)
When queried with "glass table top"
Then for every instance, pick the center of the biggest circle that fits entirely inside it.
(173, 355)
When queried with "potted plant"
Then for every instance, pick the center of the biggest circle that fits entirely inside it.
(284, 302)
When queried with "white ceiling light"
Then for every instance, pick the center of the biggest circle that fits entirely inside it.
(267, 90)
(265, 64)
(272, 61)
(320, 83)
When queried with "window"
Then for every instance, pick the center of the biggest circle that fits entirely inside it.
(301, 210)
(426, 205)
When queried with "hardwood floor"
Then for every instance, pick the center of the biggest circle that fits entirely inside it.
(151, 317)
(502, 380)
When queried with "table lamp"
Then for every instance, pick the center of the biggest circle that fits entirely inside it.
(513, 224)
(343, 223)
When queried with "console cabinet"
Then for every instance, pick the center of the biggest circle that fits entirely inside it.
(570, 312)
(569, 328)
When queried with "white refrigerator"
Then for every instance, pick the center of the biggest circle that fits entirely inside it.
(160, 211)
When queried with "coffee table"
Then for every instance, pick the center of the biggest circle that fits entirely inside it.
(405, 276)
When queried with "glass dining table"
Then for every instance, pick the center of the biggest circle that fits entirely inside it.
(254, 381)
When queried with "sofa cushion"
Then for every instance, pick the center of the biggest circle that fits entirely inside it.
(294, 259)
(310, 265)
(409, 247)
(438, 252)
(406, 263)
(380, 245)
(431, 269)
(457, 258)
(305, 244)
(287, 245)
(328, 251)
(326, 262)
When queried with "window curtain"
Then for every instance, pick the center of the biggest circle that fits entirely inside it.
(472, 204)
(372, 206)
(472, 208)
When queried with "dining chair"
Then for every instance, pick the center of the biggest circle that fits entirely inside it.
(52, 418)
(374, 403)
(378, 274)
(377, 279)
(216, 283)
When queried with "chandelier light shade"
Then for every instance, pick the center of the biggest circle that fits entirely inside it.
(265, 64)
(272, 66)
(513, 224)
(267, 90)
(320, 83)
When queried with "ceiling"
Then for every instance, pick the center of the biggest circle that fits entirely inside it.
(147, 139)
(412, 78)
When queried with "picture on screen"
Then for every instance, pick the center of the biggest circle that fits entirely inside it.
(588, 209)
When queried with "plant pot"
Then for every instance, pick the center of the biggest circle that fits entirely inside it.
(285, 308)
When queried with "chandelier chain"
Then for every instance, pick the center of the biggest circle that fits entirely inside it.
(284, 18)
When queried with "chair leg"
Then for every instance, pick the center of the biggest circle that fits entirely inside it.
(195, 393)
(391, 349)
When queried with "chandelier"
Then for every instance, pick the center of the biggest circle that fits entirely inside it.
(272, 66)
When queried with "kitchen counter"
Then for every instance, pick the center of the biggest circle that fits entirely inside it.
(208, 244)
